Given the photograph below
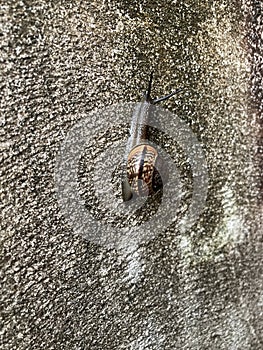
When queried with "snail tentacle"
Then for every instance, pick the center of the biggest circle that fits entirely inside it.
(163, 98)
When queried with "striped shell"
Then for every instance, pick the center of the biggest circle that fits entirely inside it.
(142, 170)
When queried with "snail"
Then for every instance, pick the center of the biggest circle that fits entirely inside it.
(143, 162)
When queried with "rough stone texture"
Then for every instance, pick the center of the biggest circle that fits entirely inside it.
(197, 290)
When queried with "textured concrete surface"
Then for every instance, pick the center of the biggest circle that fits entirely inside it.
(197, 290)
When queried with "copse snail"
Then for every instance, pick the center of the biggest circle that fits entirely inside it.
(143, 162)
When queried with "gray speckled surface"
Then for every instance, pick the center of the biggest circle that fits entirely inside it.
(197, 290)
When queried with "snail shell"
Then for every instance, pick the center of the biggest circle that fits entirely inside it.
(143, 170)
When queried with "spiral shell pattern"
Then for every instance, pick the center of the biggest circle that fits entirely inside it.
(142, 174)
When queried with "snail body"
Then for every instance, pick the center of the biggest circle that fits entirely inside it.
(144, 165)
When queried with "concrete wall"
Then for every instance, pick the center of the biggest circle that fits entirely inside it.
(199, 288)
